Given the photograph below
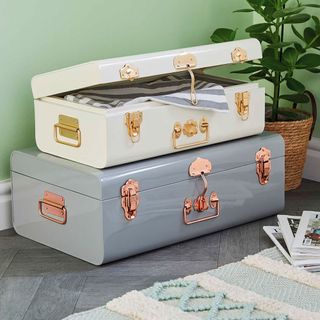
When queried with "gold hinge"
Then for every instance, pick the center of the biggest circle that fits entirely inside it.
(67, 127)
(129, 72)
(242, 102)
(130, 199)
(239, 55)
(190, 129)
(133, 122)
(263, 165)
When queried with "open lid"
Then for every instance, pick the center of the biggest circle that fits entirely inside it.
(151, 173)
(143, 65)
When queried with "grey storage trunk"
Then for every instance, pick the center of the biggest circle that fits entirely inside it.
(80, 210)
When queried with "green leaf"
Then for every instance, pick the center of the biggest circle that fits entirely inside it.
(314, 70)
(273, 64)
(317, 23)
(244, 10)
(247, 70)
(268, 52)
(258, 28)
(287, 11)
(299, 48)
(309, 34)
(311, 5)
(223, 35)
(290, 56)
(262, 37)
(280, 45)
(297, 18)
(295, 85)
(258, 75)
(298, 98)
(310, 60)
(295, 31)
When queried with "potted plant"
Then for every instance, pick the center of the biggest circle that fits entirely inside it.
(282, 56)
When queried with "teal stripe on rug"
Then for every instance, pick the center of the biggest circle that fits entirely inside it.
(269, 285)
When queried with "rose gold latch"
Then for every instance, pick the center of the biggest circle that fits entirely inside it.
(52, 207)
(130, 199)
(202, 203)
(263, 164)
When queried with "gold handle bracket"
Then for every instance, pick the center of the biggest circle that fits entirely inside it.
(202, 203)
(67, 127)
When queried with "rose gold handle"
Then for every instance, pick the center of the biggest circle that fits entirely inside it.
(52, 208)
(201, 204)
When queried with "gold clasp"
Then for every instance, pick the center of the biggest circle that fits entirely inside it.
(190, 129)
(239, 55)
(130, 199)
(129, 72)
(200, 167)
(242, 102)
(263, 165)
(67, 127)
(52, 207)
(186, 62)
(133, 122)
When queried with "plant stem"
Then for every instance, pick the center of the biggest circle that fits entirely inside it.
(278, 56)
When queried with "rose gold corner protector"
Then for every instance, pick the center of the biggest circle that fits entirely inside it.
(130, 199)
(263, 165)
(52, 207)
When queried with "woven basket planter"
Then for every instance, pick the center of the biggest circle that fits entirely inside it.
(296, 137)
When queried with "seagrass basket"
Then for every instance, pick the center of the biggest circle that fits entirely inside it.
(296, 138)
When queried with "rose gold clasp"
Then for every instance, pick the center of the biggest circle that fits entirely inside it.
(200, 167)
(130, 199)
(52, 208)
(263, 165)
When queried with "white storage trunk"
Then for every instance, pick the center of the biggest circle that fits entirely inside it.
(102, 137)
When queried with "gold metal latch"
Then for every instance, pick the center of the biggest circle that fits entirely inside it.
(67, 127)
(52, 207)
(187, 61)
(263, 165)
(129, 72)
(130, 199)
(133, 122)
(200, 167)
(239, 55)
(242, 102)
(189, 129)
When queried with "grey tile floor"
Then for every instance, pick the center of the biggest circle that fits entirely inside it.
(37, 282)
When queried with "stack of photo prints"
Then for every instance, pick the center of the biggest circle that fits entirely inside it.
(298, 238)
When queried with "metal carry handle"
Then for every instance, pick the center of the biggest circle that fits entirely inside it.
(59, 126)
(178, 130)
(52, 208)
(202, 203)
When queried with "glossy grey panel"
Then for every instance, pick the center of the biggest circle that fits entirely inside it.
(81, 236)
(159, 221)
(151, 173)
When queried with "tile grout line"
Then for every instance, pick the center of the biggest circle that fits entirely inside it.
(80, 291)
(24, 315)
(9, 263)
